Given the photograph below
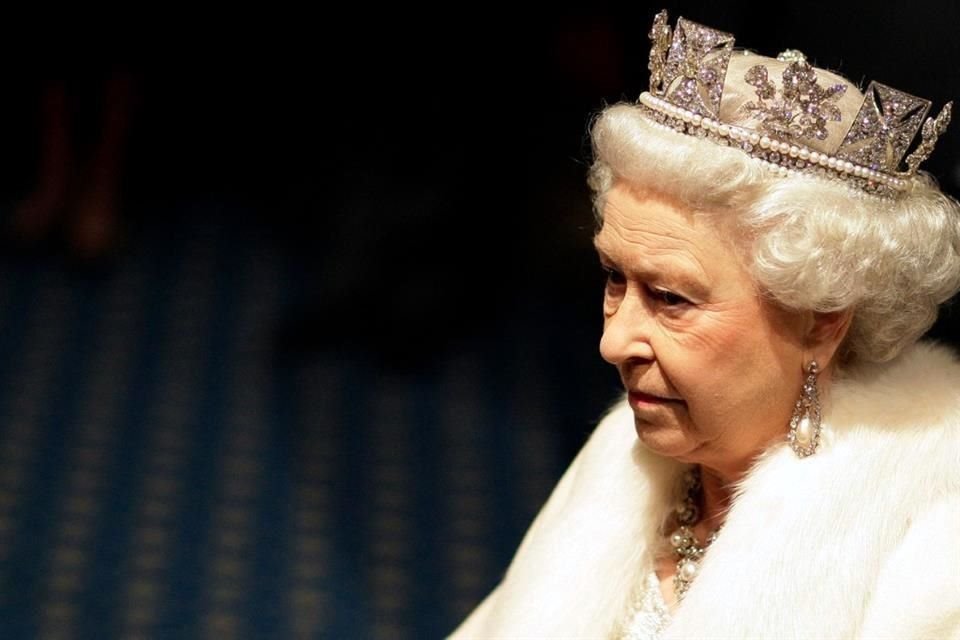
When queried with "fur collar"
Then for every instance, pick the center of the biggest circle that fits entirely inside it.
(818, 547)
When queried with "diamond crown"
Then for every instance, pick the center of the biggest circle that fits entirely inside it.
(792, 122)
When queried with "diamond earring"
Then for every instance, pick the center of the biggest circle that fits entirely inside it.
(804, 436)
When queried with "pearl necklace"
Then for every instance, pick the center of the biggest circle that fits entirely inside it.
(688, 549)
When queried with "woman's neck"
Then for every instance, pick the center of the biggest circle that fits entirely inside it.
(717, 494)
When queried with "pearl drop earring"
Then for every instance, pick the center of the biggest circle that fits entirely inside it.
(804, 436)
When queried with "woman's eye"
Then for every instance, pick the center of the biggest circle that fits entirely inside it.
(614, 277)
(667, 297)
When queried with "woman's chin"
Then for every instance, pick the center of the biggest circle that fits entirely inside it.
(669, 441)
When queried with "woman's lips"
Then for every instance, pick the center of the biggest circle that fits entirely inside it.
(641, 399)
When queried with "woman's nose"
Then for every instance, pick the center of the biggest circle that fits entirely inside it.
(626, 331)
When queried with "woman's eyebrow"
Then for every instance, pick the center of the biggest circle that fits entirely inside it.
(681, 277)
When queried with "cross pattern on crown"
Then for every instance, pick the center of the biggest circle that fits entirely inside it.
(884, 127)
(696, 66)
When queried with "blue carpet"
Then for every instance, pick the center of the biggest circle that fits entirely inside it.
(162, 476)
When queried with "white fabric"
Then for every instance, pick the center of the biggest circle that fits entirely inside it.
(648, 614)
(857, 541)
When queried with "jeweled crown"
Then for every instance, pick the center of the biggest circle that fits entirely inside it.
(795, 124)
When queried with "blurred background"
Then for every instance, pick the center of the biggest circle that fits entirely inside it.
(299, 316)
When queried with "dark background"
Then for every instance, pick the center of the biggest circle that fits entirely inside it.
(424, 165)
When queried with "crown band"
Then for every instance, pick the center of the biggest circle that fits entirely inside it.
(781, 156)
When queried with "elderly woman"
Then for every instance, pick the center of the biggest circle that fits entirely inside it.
(786, 463)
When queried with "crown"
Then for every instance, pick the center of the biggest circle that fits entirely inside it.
(795, 125)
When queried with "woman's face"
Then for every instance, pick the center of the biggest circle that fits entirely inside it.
(712, 368)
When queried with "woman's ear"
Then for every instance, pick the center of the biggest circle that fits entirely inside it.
(825, 334)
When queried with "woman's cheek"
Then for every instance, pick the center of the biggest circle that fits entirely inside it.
(706, 331)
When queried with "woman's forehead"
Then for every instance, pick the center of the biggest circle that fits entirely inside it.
(644, 232)
(653, 221)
